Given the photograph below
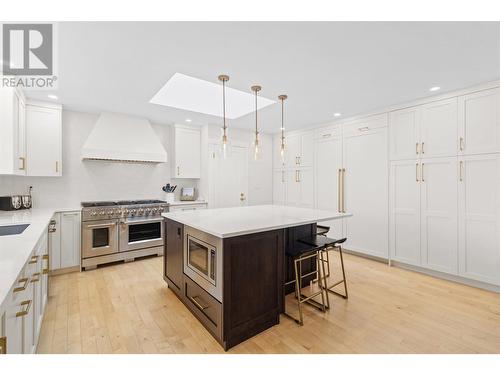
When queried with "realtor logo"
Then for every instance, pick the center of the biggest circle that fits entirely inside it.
(28, 49)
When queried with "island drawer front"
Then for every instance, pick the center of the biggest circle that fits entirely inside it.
(206, 308)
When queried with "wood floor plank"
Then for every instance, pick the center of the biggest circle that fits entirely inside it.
(127, 308)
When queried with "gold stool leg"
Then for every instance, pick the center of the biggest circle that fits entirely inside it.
(322, 280)
(343, 272)
(298, 288)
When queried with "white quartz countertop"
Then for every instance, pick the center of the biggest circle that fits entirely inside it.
(16, 249)
(237, 221)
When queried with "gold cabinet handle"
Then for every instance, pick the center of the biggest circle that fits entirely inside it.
(343, 190)
(36, 277)
(416, 148)
(423, 151)
(461, 175)
(326, 135)
(422, 173)
(57, 167)
(461, 144)
(416, 172)
(24, 281)
(3, 345)
(33, 260)
(339, 208)
(298, 176)
(25, 308)
(199, 305)
(45, 271)
(364, 129)
(24, 163)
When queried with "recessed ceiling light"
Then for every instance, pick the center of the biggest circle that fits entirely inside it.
(337, 114)
(52, 96)
(188, 120)
(435, 88)
(197, 95)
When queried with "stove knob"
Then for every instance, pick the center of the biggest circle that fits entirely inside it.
(141, 211)
(132, 212)
(102, 212)
(154, 210)
(111, 212)
(93, 213)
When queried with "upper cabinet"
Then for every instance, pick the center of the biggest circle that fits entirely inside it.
(12, 132)
(429, 130)
(479, 122)
(187, 153)
(43, 139)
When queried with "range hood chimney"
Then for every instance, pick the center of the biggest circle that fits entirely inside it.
(123, 138)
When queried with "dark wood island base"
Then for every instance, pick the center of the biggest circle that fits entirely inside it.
(254, 271)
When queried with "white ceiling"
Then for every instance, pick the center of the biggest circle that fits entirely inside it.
(324, 68)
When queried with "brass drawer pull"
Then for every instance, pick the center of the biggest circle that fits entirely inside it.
(423, 151)
(33, 260)
(24, 163)
(461, 144)
(45, 271)
(200, 306)
(326, 135)
(26, 308)
(461, 170)
(416, 148)
(25, 282)
(36, 277)
(3, 345)
(364, 129)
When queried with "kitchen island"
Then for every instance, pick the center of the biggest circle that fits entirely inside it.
(228, 265)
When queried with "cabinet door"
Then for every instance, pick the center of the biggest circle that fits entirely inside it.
(14, 329)
(306, 182)
(366, 192)
(70, 239)
(438, 131)
(173, 254)
(55, 244)
(187, 153)
(438, 212)
(306, 149)
(279, 187)
(479, 118)
(292, 188)
(43, 146)
(479, 217)
(404, 134)
(404, 218)
(292, 147)
(327, 166)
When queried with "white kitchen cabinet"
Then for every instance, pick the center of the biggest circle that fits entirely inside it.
(292, 187)
(187, 152)
(12, 132)
(479, 122)
(429, 130)
(306, 182)
(327, 170)
(299, 149)
(43, 139)
(438, 214)
(365, 188)
(479, 217)
(279, 187)
(404, 133)
(404, 208)
(438, 131)
(65, 242)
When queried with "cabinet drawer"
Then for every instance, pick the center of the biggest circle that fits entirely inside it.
(328, 132)
(366, 124)
(187, 207)
(206, 308)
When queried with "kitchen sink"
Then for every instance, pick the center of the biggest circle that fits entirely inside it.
(8, 230)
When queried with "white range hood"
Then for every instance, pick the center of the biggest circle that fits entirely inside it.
(123, 138)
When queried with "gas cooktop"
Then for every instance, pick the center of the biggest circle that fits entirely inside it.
(121, 203)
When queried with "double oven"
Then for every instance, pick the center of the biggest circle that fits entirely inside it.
(203, 260)
(112, 232)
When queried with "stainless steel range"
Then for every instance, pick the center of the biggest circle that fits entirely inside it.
(121, 230)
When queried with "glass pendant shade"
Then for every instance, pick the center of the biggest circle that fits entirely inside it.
(282, 98)
(257, 152)
(225, 147)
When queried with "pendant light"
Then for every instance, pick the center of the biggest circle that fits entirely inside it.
(225, 146)
(282, 148)
(256, 154)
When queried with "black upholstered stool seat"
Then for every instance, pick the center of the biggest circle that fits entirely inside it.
(321, 241)
(299, 248)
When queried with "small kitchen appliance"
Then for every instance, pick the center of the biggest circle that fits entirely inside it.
(13, 202)
(188, 194)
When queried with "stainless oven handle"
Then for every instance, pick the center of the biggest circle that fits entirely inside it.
(107, 224)
(142, 221)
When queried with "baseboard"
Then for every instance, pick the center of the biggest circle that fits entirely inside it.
(62, 271)
(445, 276)
(364, 255)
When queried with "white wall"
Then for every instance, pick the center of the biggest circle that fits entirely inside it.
(95, 180)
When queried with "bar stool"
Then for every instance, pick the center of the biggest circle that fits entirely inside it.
(325, 244)
(300, 252)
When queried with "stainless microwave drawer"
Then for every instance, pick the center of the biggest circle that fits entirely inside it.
(205, 307)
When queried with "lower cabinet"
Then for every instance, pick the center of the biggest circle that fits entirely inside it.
(65, 242)
(479, 217)
(173, 256)
(24, 306)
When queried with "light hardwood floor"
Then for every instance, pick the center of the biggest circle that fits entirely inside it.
(127, 308)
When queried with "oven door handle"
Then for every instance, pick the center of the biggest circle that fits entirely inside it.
(142, 221)
(101, 225)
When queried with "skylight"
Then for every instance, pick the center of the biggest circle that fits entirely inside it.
(197, 95)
